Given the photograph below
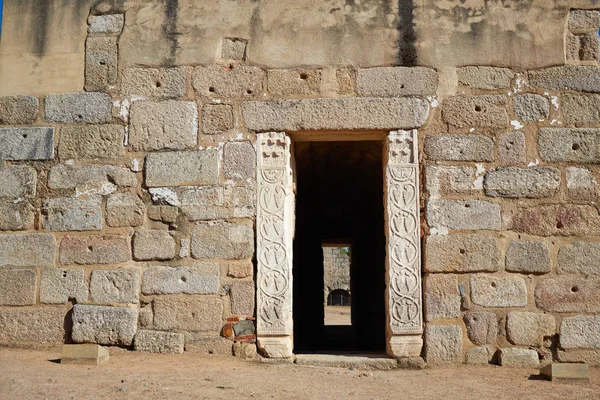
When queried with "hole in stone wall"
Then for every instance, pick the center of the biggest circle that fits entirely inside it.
(90, 248)
(559, 225)
(467, 205)
(183, 279)
(478, 108)
(80, 116)
(102, 63)
(24, 136)
(211, 89)
(303, 76)
(248, 91)
(575, 146)
(158, 84)
(462, 251)
(493, 284)
(64, 274)
(575, 289)
(402, 86)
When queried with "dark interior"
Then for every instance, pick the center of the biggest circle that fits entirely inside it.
(339, 197)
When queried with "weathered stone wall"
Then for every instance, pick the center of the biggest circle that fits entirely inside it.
(336, 270)
(128, 201)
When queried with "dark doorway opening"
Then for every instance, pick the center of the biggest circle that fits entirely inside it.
(339, 197)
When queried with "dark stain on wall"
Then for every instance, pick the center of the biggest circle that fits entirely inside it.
(41, 13)
(407, 51)
(169, 29)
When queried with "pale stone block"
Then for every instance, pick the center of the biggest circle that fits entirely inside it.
(185, 168)
(443, 344)
(482, 327)
(581, 109)
(239, 160)
(17, 287)
(581, 184)
(72, 214)
(498, 291)
(511, 148)
(244, 350)
(396, 81)
(91, 142)
(521, 358)
(104, 324)
(294, 82)
(146, 316)
(102, 179)
(217, 118)
(17, 181)
(201, 278)
(199, 344)
(115, 286)
(90, 107)
(155, 82)
(124, 209)
(32, 326)
(275, 347)
(459, 147)
(477, 355)
(488, 111)
(517, 182)
(463, 215)
(529, 329)
(569, 145)
(442, 180)
(233, 49)
(16, 216)
(153, 245)
(27, 250)
(590, 356)
(584, 19)
(163, 213)
(442, 298)
(528, 257)
(217, 81)
(485, 77)
(579, 258)
(566, 372)
(18, 110)
(110, 23)
(240, 269)
(569, 294)
(18, 144)
(589, 47)
(96, 249)
(101, 59)
(558, 220)
(242, 297)
(461, 253)
(59, 285)
(84, 354)
(578, 78)
(531, 107)
(159, 342)
(222, 240)
(189, 313)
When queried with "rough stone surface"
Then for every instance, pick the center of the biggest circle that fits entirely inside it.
(197, 344)
(17, 287)
(161, 125)
(579, 258)
(159, 342)
(218, 81)
(487, 111)
(101, 59)
(96, 249)
(124, 209)
(110, 23)
(18, 144)
(590, 47)
(511, 148)
(217, 118)
(482, 327)
(459, 147)
(115, 286)
(344, 113)
(182, 168)
(27, 250)
(294, 82)
(242, 297)
(102, 179)
(442, 180)
(240, 269)
(569, 294)
(520, 358)
(443, 344)
(581, 332)
(581, 184)
(155, 82)
(153, 245)
(72, 214)
(588, 356)
(32, 325)
(214, 202)
(485, 77)
(531, 107)
(522, 182)
(59, 285)
(201, 278)
(498, 291)
(18, 110)
(233, 49)
(581, 109)
(222, 240)
(463, 214)
(584, 19)
(163, 213)
(572, 47)
(396, 81)
(558, 220)
(239, 160)
(528, 257)
(189, 313)
(17, 181)
(91, 142)
(442, 298)
(104, 324)
(529, 329)
(461, 253)
(569, 145)
(90, 107)
(477, 355)
(16, 216)
(579, 78)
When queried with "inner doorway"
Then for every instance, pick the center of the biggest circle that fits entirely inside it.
(339, 202)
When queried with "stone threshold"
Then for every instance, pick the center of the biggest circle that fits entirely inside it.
(370, 362)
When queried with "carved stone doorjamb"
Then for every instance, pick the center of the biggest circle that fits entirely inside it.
(404, 314)
(275, 228)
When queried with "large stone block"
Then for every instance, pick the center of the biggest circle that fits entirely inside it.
(17, 181)
(520, 358)
(443, 344)
(17, 144)
(569, 145)
(59, 285)
(214, 202)
(115, 286)
(109, 23)
(17, 287)
(189, 313)
(159, 342)
(581, 332)
(153, 244)
(96, 249)
(442, 180)
(528, 328)
(125, 209)
(511, 148)
(522, 182)
(240, 269)
(569, 294)
(222, 240)
(201, 278)
(487, 111)
(579, 258)
(558, 220)
(27, 250)
(32, 326)
(589, 49)
(201, 344)
(242, 297)
(588, 356)
(463, 214)
(294, 82)
(581, 184)
(18, 110)
(163, 83)
(498, 291)
(482, 327)
(528, 257)
(217, 118)
(182, 168)
(101, 62)
(485, 77)
(91, 142)
(91, 108)
(236, 81)
(459, 147)
(461, 253)
(334, 114)
(72, 214)
(477, 355)
(104, 324)
(160, 125)
(568, 77)
(239, 160)
(442, 298)
(16, 216)
(396, 81)
(233, 49)
(584, 19)
(90, 178)
(531, 107)
(581, 109)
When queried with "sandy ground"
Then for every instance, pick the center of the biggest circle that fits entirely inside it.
(337, 315)
(30, 374)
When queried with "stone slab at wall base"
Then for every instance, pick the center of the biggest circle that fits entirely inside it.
(408, 346)
(84, 354)
(275, 347)
(568, 373)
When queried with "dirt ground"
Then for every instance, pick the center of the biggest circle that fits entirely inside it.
(31, 374)
(337, 315)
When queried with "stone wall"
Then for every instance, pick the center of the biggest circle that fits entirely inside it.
(128, 209)
(336, 267)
